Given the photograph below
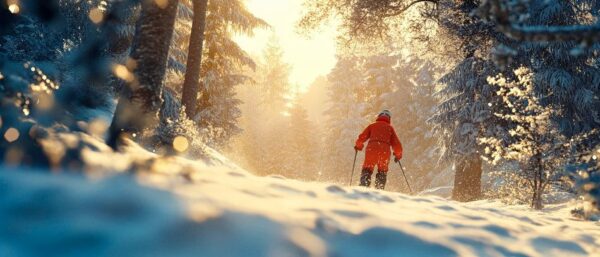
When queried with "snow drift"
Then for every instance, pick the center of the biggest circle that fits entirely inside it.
(225, 211)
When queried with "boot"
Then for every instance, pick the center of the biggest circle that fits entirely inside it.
(380, 180)
(365, 177)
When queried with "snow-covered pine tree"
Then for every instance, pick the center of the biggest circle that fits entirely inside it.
(379, 78)
(560, 72)
(246, 149)
(265, 118)
(565, 72)
(141, 99)
(533, 140)
(44, 44)
(466, 100)
(191, 84)
(78, 50)
(412, 104)
(566, 75)
(223, 65)
(585, 168)
(344, 119)
(563, 40)
(273, 77)
(463, 116)
(303, 145)
(97, 37)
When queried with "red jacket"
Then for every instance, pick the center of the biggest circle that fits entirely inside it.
(381, 131)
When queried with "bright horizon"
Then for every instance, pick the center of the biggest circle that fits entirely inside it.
(309, 57)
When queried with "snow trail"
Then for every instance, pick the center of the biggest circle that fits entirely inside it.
(222, 210)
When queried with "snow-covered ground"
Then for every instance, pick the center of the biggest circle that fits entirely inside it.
(186, 208)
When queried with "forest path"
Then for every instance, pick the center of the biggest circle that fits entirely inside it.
(222, 210)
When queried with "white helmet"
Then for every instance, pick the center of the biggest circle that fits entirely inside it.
(386, 113)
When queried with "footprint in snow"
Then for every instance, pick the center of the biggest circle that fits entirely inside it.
(327, 224)
(311, 210)
(457, 225)
(380, 241)
(422, 200)
(473, 217)
(446, 208)
(384, 198)
(286, 188)
(311, 194)
(350, 214)
(528, 220)
(551, 246)
(497, 230)
(236, 174)
(336, 189)
(277, 177)
(485, 248)
(426, 224)
(372, 196)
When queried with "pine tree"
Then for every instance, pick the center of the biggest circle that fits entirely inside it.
(222, 69)
(140, 101)
(344, 119)
(412, 103)
(304, 145)
(566, 77)
(190, 88)
(379, 80)
(533, 140)
(265, 118)
(274, 77)
(463, 116)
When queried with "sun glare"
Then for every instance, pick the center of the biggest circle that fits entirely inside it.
(309, 57)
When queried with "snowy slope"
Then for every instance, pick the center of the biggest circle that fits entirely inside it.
(224, 211)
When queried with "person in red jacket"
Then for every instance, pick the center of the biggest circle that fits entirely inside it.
(382, 137)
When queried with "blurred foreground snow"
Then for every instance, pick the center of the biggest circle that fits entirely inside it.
(188, 208)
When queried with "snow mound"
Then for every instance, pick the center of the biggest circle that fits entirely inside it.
(68, 216)
(223, 211)
(215, 208)
(445, 191)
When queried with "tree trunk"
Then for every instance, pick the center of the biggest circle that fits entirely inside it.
(467, 181)
(141, 99)
(191, 84)
(538, 190)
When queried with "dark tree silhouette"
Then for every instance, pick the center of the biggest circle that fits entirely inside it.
(141, 98)
(191, 84)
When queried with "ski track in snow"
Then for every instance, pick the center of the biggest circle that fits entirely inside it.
(226, 211)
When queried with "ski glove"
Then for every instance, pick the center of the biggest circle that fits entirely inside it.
(357, 148)
(396, 159)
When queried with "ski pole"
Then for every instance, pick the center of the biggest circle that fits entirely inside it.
(353, 166)
(405, 179)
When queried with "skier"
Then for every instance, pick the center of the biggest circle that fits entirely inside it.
(381, 136)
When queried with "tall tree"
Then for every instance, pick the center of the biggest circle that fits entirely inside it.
(303, 145)
(532, 140)
(141, 98)
(223, 66)
(344, 118)
(189, 94)
(265, 119)
(412, 103)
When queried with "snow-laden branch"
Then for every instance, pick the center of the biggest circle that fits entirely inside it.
(401, 9)
(500, 14)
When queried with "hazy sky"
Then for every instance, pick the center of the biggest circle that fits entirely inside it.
(309, 57)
